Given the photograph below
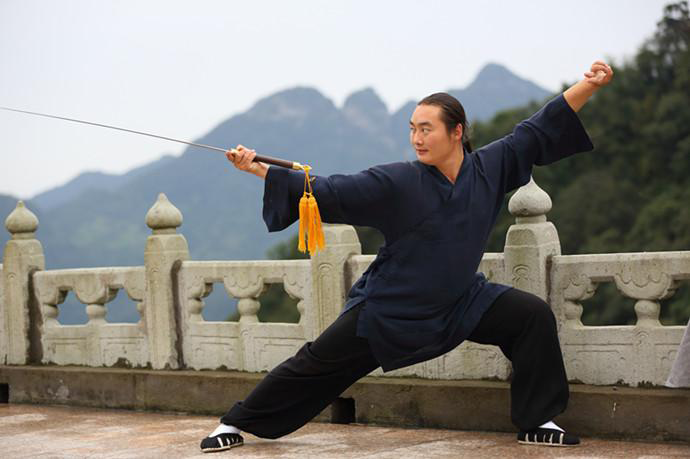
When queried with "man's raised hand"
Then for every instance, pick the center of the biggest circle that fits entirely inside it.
(600, 74)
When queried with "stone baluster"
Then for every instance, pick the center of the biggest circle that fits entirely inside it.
(328, 276)
(49, 297)
(93, 291)
(248, 308)
(247, 287)
(50, 313)
(165, 250)
(578, 289)
(531, 241)
(20, 340)
(96, 313)
(647, 285)
(196, 292)
(296, 286)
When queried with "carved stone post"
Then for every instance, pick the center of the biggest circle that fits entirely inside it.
(19, 337)
(165, 250)
(328, 275)
(94, 292)
(531, 241)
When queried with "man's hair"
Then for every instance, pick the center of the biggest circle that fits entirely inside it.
(452, 114)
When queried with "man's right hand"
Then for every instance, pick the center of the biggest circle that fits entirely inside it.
(243, 159)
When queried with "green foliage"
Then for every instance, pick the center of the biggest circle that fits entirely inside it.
(632, 193)
(277, 306)
(286, 251)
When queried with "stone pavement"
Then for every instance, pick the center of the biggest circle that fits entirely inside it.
(42, 431)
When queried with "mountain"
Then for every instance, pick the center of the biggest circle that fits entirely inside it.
(496, 89)
(367, 111)
(99, 219)
(221, 208)
(87, 181)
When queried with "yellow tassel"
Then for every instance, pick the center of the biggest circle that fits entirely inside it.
(303, 219)
(312, 226)
(317, 234)
(310, 231)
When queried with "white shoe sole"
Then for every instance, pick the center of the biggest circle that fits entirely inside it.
(536, 443)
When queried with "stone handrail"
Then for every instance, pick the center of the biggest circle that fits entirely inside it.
(97, 342)
(170, 289)
(247, 344)
(635, 354)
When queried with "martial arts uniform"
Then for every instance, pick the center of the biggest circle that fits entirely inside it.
(421, 297)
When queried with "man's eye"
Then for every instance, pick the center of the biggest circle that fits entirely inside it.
(426, 130)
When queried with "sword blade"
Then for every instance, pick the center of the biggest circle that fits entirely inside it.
(107, 126)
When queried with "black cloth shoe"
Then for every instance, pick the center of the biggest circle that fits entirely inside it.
(547, 437)
(221, 442)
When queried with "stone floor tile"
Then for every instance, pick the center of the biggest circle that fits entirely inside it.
(41, 431)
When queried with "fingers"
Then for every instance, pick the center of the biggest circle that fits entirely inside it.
(241, 157)
(599, 74)
(601, 66)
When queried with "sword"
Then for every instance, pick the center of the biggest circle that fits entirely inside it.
(264, 159)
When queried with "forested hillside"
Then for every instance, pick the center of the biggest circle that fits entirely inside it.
(632, 193)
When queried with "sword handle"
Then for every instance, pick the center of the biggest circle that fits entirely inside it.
(278, 162)
(275, 161)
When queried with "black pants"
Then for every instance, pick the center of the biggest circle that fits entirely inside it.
(297, 390)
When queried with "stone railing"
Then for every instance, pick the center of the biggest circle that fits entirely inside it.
(634, 354)
(97, 342)
(247, 344)
(169, 291)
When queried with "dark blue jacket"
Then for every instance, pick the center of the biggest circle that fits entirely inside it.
(422, 293)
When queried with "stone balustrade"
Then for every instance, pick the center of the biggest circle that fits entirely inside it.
(96, 343)
(635, 354)
(169, 291)
(247, 344)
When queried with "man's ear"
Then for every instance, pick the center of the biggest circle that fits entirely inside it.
(458, 132)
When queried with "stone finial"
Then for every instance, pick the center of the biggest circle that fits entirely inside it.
(530, 201)
(163, 217)
(21, 221)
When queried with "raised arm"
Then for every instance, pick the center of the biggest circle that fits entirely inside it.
(600, 74)
(553, 133)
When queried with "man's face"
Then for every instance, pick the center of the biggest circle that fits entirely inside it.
(429, 138)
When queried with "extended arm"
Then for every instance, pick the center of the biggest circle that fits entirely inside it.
(599, 75)
(368, 198)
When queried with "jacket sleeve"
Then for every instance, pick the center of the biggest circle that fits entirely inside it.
(366, 198)
(553, 133)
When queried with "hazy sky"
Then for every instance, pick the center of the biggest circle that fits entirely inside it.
(178, 68)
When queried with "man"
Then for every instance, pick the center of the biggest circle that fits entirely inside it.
(421, 296)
